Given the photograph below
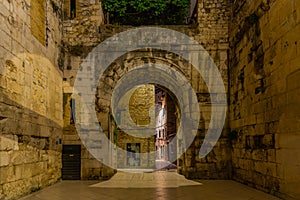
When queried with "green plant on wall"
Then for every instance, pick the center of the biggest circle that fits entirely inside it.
(146, 12)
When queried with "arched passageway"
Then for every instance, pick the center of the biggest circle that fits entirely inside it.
(147, 142)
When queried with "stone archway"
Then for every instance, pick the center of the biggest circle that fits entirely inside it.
(135, 59)
(193, 166)
(126, 64)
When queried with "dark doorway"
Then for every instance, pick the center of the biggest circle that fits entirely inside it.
(71, 162)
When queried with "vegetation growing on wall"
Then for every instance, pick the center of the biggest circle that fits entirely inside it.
(146, 12)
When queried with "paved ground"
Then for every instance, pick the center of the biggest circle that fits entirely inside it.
(149, 186)
(160, 179)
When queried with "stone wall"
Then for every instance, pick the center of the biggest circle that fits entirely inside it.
(91, 168)
(144, 160)
(263, 90)
(80, 33)
(264, 95)
(30, 98)
(84, 29)
(213, 17)
(140, 103)
(84, 32)
(38, 20)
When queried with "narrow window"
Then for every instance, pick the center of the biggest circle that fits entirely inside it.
(72, 111)
(72, 9)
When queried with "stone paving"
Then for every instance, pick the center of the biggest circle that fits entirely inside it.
(149, 186)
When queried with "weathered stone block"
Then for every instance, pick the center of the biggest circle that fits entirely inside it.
(4, 159)
(9, 142)
(7, 174)
(20, 157)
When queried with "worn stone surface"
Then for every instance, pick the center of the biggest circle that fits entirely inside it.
(262, 84)
(140, 103)
(131, 61)
(30, 97)
(212, 35)
(264, 66)
(38, 20)
(144, 161)
(84, 29)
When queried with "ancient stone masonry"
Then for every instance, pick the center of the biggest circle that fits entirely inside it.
(81, 33)
(264, 61)
(83, 29)
(38, 20)
(30, 97)
(86, 31)
(213, 19)
(254, 44)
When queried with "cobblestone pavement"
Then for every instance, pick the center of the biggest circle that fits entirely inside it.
(149, 186)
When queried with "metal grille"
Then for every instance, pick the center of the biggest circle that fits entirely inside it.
(71, 160)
